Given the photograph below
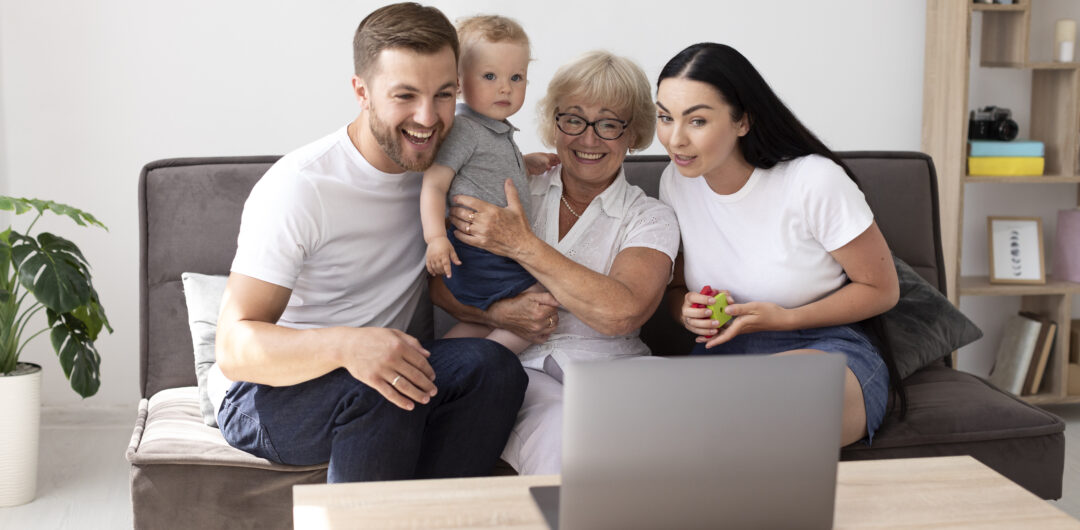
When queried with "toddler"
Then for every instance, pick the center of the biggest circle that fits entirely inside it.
(476, 158)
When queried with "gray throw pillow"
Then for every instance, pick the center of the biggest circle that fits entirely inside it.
(924, 326)
(203, 296)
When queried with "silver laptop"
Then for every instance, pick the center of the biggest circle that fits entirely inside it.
(748, 441)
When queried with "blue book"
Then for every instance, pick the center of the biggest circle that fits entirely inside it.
(999, 148)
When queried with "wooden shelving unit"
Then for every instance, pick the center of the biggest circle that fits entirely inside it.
(1055, 121)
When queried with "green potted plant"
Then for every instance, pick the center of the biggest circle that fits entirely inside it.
(41, 272)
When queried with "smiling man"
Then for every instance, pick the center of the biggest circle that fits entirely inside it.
(328, 273)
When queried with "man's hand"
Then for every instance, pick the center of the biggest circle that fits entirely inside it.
(390, 361)
(440, 252)
(531, 316)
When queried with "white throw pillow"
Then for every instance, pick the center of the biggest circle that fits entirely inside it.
(203, 293)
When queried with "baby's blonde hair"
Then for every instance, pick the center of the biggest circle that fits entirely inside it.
(490, 28)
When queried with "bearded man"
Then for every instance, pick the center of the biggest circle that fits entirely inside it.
(328, 272)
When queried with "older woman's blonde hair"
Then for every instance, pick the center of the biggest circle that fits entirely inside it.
(600, 77)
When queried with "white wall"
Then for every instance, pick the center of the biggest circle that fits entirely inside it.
(91, 91)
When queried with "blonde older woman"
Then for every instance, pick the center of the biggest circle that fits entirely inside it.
(602, 248)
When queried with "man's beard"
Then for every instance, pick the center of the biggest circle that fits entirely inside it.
(390, 139)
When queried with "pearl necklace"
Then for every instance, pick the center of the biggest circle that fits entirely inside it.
(567, 204)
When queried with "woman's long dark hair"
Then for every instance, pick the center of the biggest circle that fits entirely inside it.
(775, 135)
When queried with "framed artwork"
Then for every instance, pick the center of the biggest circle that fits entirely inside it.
(1016, 250)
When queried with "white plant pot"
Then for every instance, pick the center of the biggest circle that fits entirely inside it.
(20, 400)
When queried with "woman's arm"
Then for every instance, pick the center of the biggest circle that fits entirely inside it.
(873, 290)
(531, 316)
(613, 304)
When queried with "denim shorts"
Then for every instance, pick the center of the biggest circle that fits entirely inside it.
(484, 278)
(862, 358)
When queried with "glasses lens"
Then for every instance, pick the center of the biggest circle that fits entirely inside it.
(609, 129)
(571, 124)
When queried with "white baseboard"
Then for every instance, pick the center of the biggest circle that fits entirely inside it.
(87, 416)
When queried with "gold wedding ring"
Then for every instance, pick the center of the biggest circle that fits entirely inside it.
(394, 382)
(551, 323)
(471, 217)
(468, 228)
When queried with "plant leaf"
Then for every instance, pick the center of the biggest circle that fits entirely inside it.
(23, 205)
(79, 358)
(53, 269)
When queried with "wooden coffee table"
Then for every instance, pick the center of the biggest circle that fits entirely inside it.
(956, 491)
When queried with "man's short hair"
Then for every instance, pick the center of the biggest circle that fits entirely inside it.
(490, 28)
(407, 25)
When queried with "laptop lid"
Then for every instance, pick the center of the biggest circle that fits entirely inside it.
(739, 441)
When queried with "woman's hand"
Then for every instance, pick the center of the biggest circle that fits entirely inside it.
(699, 319)
(502, 231)
(749, 318)
(531, 316)
(539, 163)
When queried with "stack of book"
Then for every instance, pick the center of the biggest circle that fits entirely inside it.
(1023, 353)
(992, 158)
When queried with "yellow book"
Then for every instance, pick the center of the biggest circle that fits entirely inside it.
(1005, 166)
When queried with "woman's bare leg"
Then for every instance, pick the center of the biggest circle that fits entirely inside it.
(854, 420)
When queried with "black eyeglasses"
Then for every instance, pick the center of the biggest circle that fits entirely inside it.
(605, 128)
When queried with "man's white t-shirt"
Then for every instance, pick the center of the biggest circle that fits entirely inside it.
(344, 236)
(769, 241)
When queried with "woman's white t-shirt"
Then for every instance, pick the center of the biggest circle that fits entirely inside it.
(769, 241)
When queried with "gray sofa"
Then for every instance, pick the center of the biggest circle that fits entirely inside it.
(184, 475)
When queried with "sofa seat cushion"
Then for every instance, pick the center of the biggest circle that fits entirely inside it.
(956, 413)
(184, 472)
(170, 430)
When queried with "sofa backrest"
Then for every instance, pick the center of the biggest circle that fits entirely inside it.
(189, 216)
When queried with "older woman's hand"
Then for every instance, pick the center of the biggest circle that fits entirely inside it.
(502, 231)
(531, 316)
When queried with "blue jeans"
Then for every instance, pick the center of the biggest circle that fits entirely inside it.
(336, 418)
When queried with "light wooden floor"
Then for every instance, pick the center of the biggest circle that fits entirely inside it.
(83, 477)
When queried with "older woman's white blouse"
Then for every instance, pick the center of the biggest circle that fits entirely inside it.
(621, 217)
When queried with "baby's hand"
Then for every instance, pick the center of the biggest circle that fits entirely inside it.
(538, 163)
(439, 255)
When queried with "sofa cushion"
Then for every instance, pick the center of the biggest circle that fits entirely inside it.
(202, 294)
(923, 326)
(956, 413)
(183, 472)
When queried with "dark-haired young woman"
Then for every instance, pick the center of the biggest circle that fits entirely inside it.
(773, 217)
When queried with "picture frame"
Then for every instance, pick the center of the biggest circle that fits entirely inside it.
(1016, 250)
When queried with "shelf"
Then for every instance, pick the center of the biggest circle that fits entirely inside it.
(1040, 65)
(997, 7)
(1048, 65)
(981, 286)
(1035, 179)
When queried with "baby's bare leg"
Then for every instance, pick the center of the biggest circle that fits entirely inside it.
(466, 330)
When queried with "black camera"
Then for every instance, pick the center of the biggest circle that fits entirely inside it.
(992, 123)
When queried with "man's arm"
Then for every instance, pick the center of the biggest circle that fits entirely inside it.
(252, 347)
